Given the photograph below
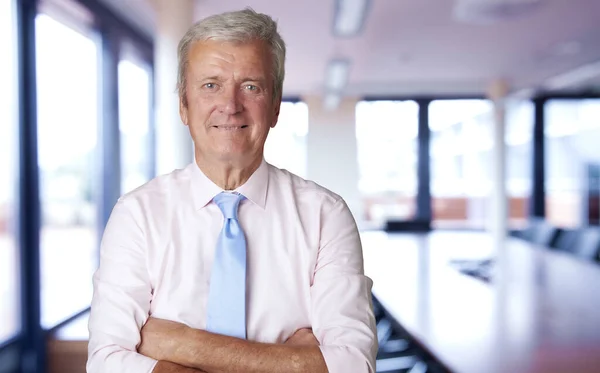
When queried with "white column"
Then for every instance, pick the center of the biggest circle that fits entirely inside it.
(174, 147)
(497, 93)
(331, 150)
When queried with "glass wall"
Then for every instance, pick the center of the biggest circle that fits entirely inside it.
(462, 141)
(572, 135)
(519, 160)
(286, 145)
(461, 155)
(387, 144)
(134, 122)
(9, 264)
(67, 86)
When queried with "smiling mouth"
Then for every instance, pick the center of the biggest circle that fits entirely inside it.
(230, 128)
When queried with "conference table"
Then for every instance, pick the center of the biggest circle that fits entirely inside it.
(540, 311)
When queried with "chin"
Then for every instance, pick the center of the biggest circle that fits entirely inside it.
(238, 153)
(235, 156)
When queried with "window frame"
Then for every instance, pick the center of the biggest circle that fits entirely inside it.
(112, 29)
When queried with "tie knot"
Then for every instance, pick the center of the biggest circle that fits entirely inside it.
(228, 203)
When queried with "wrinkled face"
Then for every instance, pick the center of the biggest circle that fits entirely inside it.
(230, 104)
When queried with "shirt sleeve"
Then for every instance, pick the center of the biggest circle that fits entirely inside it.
(342, 308)
(121, 301)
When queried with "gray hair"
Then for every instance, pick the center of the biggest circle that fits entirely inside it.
(239, 27)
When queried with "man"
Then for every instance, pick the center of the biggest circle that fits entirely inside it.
(231, 265)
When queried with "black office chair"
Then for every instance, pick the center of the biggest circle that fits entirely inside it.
(411, 226)
(544, 233)
(566, 240)
(397, 353)
(588, 244)
(391, 344)
(529, 231)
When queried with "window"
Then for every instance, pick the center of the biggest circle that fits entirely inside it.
(9, 264)
(572, 135)
(519, 160)
(134, 123)
(387, 144)
(461, 159)
(67, 85)
(286, 144)
(462, 141)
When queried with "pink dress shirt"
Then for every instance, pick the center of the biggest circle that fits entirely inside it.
(305, 268)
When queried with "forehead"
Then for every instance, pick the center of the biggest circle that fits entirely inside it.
(252, 56)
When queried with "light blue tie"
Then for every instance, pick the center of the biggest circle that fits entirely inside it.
(226, 308)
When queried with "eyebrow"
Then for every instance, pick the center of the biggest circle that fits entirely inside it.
(217, 78)
(253, 79)
(201, 80)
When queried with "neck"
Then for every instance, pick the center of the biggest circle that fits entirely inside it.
(227, 175)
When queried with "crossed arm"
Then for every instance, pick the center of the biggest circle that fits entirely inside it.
(341, 313)
(180, 349)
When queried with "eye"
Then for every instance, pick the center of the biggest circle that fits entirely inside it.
(251, 87)
(210, 85)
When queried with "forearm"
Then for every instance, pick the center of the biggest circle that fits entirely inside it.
(214, 353)
(168, 367)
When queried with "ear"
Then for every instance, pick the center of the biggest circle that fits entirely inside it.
(276, 110)
(183, 111)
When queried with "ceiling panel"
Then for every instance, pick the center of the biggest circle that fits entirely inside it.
(417, 47)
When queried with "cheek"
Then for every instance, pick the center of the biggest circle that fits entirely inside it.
(261, 110)
(199, 111)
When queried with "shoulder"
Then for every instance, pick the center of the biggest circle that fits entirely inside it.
(305, 191)
(158, 193)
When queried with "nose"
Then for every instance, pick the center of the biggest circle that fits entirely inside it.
(230, 102)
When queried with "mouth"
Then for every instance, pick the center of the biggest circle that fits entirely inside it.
(230, 127)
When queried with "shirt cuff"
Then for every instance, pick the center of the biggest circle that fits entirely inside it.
(121, 362)
(344, 359)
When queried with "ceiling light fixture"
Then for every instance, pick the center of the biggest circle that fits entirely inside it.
(574, 78)
(350, 16)
(492, 11)
(331, 101)
(336, 76)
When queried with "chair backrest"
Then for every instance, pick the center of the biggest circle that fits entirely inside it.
(566, 240)
(384, 330)
(418, 226)
(544, 234)
(528, 232)
(588, 243)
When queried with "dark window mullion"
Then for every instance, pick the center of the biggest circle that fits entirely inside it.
(538, 195)
(33, 349)
(424, 213)
(110, 150)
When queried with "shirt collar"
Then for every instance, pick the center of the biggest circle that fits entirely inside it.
(254, 189)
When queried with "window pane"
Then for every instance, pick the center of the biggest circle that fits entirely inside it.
(9, 265)
(286, 145)
(519, 160)
(461, 160)
(67, 129)
(572, 135)
(386, 135)
(134, 124)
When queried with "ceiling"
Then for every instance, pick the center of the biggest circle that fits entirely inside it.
(417, 47)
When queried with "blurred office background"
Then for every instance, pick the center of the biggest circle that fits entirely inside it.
(478, 119)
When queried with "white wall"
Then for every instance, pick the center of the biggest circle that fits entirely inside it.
(174, 147)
